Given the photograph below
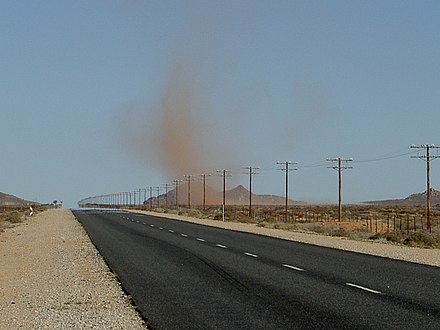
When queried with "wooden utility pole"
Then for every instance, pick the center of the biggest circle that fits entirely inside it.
(287, 169)
(166, 194)
(251, 171)
(176, 185)
(188, 179)
(339, 167)
(158, 197)
(151, 197)
(427, 156)
(224, 174)
(203, 176)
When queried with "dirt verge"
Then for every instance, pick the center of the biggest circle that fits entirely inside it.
(52, 277)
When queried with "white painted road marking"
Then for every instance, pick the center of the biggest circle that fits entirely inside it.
(362, 288)
(200, 239)
(293, 267)
(171, 231)
(151, 225)
(251, 255)
(221, 246)
(184, 235)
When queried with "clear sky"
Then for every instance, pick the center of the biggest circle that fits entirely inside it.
(109, 96)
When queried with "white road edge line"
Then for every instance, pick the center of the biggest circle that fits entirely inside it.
(200, 239)
(221, 246)
(251, 255)
(293, 267)
(363, 288)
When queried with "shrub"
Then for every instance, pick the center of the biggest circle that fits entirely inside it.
(420, 239)
(12, 217)
(392, 237)
(339, 232)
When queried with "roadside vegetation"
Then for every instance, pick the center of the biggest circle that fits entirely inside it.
(10, 216)
(393, 225)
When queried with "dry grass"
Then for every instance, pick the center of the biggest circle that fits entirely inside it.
(400, 225)
(10, 216)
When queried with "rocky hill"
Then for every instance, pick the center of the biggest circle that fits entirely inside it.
(236, 196)
(418, 199)
(11, 200)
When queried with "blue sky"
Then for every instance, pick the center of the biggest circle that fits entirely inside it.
(88, 87)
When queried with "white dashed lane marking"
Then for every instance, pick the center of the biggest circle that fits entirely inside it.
(363, 288)
(256, 256)
(293, 267)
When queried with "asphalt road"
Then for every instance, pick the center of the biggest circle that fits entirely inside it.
(187, 276)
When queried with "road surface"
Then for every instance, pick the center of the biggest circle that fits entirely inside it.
(187, 276)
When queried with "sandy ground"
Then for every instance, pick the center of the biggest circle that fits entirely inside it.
(52, 277)
(383, 249)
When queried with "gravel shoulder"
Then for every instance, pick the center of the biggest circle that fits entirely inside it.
(52, 277)
(382, 249)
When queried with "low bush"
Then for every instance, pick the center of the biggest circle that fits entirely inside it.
(340, 232)
(12, 217)
(420, 239)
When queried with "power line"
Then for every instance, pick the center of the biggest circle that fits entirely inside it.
(384, 157)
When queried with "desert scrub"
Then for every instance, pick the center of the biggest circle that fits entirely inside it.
(12, 217)
(420, 239)
(340, 232)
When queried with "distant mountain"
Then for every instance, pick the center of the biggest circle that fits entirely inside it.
(236, 196)
(11, 200)
(418, 199)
